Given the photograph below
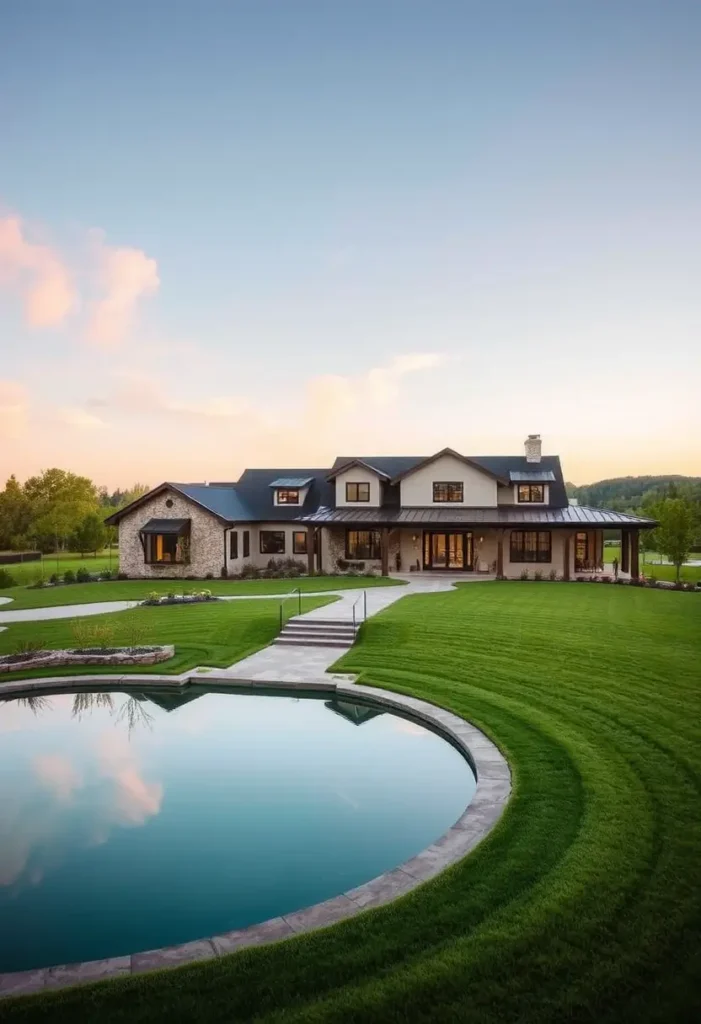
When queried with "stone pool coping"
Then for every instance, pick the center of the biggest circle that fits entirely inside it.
(477, 820)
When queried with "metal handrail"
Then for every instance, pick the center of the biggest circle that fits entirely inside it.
(364, 596)
(292, 593)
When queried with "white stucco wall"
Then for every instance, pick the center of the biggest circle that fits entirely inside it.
(357, 475)
(479, 489)
(255, 557)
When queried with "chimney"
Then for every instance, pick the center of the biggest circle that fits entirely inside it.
(533, 446)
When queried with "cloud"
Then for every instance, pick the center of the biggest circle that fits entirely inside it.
(133, 800)
(57, 774)
(73, 416)
(137, 392)
(14, 409)
(37, 273)
(125, 276)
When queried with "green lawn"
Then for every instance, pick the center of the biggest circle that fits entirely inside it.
(216, 634)
(137, 590)
(584, 903)
(648, 566)
(30, 572)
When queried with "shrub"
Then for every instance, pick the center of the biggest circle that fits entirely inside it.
(538, 576)
(28, 646)
(224, 572)
(153, 596)
(69, 576)
(54, 578)
(122, 576)
(206, 594)
(524, 574)
(135, 630)
(209, 575)
(342, 564)
(249, 571)
(83, 576)
(6, 579)
(92, 634)
(552, 575)
(105, 574)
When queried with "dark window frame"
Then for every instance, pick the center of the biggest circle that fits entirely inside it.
(151, 546)
(270, 534)
(233, 545)
(448, 499)
(523, 549)
(372, 546)
(528, 490)
(246, 544)
(288, 499)
(357, 484)
(296, 550)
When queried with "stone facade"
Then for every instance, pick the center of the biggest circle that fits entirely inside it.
(206, 539)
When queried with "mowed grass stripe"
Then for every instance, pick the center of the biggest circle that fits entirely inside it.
(584, 903)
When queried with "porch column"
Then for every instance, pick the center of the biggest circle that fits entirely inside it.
(625, 551)
(384, 539)
(634, 553)
(566, 574)
(500, 553)
(310, 551)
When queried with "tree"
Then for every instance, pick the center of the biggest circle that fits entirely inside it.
(59, 502)
(675, 534)
(15, 515)
(91, 535)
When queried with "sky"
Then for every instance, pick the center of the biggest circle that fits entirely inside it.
(269, 232)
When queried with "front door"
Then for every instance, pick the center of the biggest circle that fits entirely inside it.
(449, 551)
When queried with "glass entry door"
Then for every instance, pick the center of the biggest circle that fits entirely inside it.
(448, 551)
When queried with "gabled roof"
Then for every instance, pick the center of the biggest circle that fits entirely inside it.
(253, 491)
(222, 502)
(456, 455)
(343, 466)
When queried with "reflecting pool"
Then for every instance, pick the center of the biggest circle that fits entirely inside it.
(133, 821)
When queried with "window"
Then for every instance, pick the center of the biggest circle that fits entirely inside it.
(169, 502)
(287, 497)
(233, 544)
(272, 542)
(299, 542)
(164, 547)
(362, 544)
(531, 492)
(450, 490)
(357, 492)
(531, 546)
(246, 543)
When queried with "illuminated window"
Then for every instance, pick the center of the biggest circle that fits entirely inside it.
(531, 492)
(531, 546)
(450, 490)
(287, 497)
(362, 544)
(299, 542)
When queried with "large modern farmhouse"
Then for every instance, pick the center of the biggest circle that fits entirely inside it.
(442, 513)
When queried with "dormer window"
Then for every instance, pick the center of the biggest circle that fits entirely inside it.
(357, 492)
(286, 496)
(450, 490)
(531, 493)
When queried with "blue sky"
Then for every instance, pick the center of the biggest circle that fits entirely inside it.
(290, 229)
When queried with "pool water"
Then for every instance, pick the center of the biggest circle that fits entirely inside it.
(129, 822)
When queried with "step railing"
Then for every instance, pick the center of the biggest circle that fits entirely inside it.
(292, 593)
(364, 597)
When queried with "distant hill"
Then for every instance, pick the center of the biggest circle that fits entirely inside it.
(632, 493)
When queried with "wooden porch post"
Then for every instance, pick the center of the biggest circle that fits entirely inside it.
(310, 550)
(625, 551)
(566, 574)
(634, 554)
(384, 539)
(500, 553)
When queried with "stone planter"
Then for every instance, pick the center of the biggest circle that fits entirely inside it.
(150, 655)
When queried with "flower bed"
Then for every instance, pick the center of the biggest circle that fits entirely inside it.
(198, 597)
(87, 656)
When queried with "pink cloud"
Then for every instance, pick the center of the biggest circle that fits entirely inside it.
(14, 408)
(57, 774)
(134, 800)
(126, 275)
(37, 273)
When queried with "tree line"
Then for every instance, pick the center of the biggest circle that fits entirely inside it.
(58, 510)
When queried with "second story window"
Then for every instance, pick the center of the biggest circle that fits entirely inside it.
(285, 496)
(357, 492)
(531, 492)
(450, 490)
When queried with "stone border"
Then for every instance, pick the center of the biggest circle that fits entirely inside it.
(481, 815)
(56, 659)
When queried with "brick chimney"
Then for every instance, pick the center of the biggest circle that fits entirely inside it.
(533, 445)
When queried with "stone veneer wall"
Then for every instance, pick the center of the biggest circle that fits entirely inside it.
(206, 539)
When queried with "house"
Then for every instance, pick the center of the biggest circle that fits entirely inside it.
(445, 512)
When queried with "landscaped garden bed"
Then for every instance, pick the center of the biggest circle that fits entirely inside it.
(187, 597)
(142, 655)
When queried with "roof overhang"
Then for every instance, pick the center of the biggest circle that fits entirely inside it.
(173, 527)
(294, 482)
(357, 462)
(455, 455)
(528, 476)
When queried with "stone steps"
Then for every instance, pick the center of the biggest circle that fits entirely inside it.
(317, 633)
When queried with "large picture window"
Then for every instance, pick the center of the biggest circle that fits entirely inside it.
(285, 496)
(363, 544)
(299, 542)
(272, 542)
(357, 492)
(531, 546)
(531, 492)
(447, 490)
(166, 541)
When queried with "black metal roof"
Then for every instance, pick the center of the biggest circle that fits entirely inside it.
(171, 526)
(503, 515)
